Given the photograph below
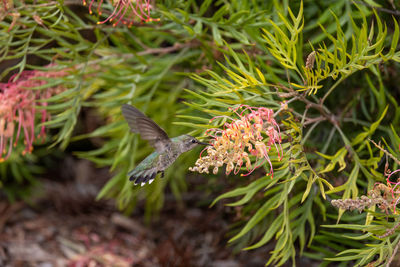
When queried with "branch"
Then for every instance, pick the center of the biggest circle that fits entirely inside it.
(386, 152)
(393, 254)
(382, 9)
(165, 50)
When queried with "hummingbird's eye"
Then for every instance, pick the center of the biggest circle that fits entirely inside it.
(193, 141)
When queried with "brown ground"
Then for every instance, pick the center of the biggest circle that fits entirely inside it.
(66, 227)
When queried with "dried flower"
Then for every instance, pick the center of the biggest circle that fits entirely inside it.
(253, 134)
(310, 60)
(18, 109)
(385, 196)
(125, 11)
(359, 203)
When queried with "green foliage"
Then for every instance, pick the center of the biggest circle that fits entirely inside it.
(18, 176)
(287, 217)
(202, 60)
(281, 208)
(366, 50)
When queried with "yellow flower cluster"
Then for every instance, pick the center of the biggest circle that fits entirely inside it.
(253, 134)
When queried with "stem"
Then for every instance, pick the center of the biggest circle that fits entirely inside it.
(287, 102)
(309, 132)
(331, 89)
(304, 116)
(325, 148)
(384, 151)
(393, 254)
(381, 9)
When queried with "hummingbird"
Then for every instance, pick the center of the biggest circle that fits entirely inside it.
(167, 149)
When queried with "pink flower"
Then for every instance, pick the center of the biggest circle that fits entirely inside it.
(6, 5)
(18, 108)
(253, 134)
(125, 11)
(395, 190)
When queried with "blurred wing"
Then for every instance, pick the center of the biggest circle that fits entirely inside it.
(147, 128)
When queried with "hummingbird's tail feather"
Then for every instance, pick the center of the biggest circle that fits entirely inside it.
(142, 177)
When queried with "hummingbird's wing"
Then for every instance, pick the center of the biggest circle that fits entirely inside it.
(146, 127)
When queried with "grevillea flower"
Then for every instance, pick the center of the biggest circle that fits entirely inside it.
(18, 109)
(394, 188)
(385, 196)
(6, 5)
(125, 11)
(254, 133)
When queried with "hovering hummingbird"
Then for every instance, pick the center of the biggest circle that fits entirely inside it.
(167, 149)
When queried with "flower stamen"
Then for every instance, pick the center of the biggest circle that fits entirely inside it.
(239, 139)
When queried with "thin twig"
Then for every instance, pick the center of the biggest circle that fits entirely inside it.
(304, 139)
(164, 50)
(324, 111)
(328, 141)
(382, 9)
(331, 89)
(314, 120)
(286, 103)
(384, 151)
(303, 118)
(390, 231)
(393, 254)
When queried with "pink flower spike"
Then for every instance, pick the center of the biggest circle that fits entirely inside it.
(394, 206)
(90, 5)
(125, 11)
(396, 184)
(202, 151)
(18, 109)
(139, 12)
(239, 139)
(9, 149)
(110, 18)
(387, 179)
(19, 128)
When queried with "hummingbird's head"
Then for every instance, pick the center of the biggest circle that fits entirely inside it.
(189, 142)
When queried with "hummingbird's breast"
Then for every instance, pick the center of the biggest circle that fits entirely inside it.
(167, 157)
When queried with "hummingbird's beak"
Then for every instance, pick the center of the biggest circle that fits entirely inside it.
(202, 143)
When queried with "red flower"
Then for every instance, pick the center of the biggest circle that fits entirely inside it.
(395, 190)
(18, 109)
(241, 138)
(125, 11)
